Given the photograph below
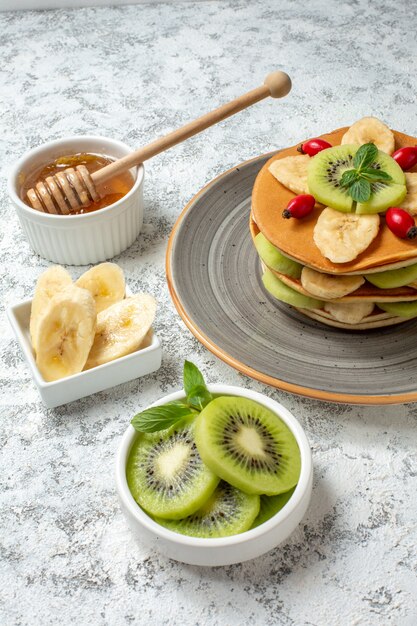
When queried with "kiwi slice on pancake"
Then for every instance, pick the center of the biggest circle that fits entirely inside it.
(274, 259)
(165, 473)
(282, 292)
(325, 171)
(270, 505)
(390, 279)
(402, 309)
(248, 446)
(385, 194)
(228, 511)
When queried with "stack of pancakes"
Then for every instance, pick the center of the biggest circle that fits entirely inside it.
(293, 238)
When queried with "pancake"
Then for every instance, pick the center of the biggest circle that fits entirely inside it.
(376, 320)
(365, 293)
(294, 238)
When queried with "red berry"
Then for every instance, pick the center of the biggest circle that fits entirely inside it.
(406, 157)
(401, 223)
(299, 207)
(313, 146)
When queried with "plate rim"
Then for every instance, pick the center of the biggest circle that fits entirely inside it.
(300, 390)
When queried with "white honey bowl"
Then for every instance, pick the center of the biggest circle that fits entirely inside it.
(89, 237)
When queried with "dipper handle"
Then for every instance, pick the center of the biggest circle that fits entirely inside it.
(75, 188)
(277, 85)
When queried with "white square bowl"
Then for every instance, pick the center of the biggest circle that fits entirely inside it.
(91, 381)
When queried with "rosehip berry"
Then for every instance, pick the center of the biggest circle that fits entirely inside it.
(313, 146)
(406, 157)
(300, 206)
(401, 223)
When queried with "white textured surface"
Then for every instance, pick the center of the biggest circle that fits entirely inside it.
(67, 555)
(17, 5)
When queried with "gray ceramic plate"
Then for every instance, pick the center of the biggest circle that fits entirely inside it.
(214, 276)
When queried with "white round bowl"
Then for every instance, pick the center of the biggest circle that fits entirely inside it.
(225, 550)
(79, 239)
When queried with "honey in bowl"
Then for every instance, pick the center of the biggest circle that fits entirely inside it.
(110, 191)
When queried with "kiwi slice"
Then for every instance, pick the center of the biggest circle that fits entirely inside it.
(248, 445)
(393, 278)
(165, 473)
(282, 292)
(326, 169)
(274, 259)
(401, 309)
(228, 511)
(324, 173)
(270, 505)
(388, 194)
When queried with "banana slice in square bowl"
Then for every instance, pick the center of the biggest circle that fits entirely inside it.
(111, 365)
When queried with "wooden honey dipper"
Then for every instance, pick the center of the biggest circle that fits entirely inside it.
(74, 188)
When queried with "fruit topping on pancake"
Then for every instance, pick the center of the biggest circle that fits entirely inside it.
(328, 286)
(348, 259)
(406, 157)
(341, 237)
(299, 207)
(352, 178)
(273, 258)
(313, 146)
(402, 309)
(349, 313)
(359, 179)
(371, 130)
(401, 223)
(410, 201)
(292, 172)
(393, 278)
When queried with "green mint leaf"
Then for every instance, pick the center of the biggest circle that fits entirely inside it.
(360, 191)
(197, 393)
(192, 377)
(199, 396)
(348, 178)
(374, 175)
(365, 156)
(160, 417)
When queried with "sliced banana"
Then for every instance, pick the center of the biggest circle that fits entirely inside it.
(371, 130)
(341, 237)
(51, 282)
(349, 313)
(121, 329)
(105, 282)
(410, 201)
(328, 286)
(292, 172)
(375, 320)
(65, 333)
(147, 340)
